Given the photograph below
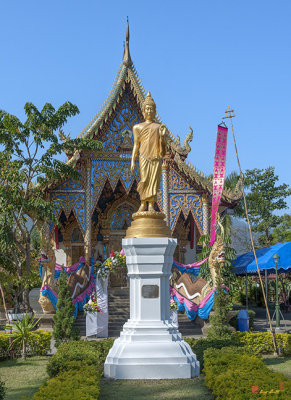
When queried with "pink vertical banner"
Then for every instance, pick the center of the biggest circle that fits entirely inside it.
(218, 176)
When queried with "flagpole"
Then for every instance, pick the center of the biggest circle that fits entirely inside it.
(230, 114)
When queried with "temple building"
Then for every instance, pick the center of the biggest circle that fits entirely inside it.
(96, 210)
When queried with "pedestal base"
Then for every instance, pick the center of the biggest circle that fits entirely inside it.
(151, 351)
(150, 346)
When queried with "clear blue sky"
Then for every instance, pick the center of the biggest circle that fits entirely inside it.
(196, 58)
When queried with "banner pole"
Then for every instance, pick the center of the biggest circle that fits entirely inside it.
(230, 114)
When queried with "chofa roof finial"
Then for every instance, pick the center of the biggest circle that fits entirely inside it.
(126, 55)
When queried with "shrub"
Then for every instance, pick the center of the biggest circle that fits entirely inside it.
(89, 353)
(4, 346)
(81, 382)
(2, 390)
(254, 343)
(199, 346)
(230, 374)
(102, 347)
(262, 342)
(38, 343)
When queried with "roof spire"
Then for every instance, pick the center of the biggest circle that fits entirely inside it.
(126, 55)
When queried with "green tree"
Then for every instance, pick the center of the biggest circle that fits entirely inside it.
(233, 182)
(263, 200)
(28, 160)
(282, 233)
(64, 329)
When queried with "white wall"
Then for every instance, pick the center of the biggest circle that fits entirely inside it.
(190, 255)
(60, 254)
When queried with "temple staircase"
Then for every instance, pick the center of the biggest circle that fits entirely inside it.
(118, 302)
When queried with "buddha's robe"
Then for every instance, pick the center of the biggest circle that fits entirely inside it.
(151, 152)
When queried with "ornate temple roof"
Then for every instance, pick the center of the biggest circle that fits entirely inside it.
(127, 77)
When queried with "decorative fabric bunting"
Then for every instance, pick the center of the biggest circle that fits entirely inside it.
(83, 297)
(191, 309)
(192, 268)
(218, 176)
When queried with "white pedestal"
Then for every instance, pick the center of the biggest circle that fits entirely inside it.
(150, 346)
(97, 324)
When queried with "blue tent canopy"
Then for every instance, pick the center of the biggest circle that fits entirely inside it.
(246, 263)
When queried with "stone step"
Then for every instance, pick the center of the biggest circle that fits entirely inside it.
(114, 331)
(119, 305)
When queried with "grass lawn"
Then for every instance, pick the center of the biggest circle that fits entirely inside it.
(279, 364)
(182, 389)
(23, 378)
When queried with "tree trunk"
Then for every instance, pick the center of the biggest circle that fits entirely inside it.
(4, 304)
(23, 356)
(25, 299)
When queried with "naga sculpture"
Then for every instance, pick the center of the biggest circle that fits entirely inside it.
(49, 262)
(184, 150)
(80, 279)
(195, 294)
(216, 257)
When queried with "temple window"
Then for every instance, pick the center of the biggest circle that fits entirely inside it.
(77, 235)
(122, 217)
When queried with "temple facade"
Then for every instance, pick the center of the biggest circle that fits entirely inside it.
(95, 210)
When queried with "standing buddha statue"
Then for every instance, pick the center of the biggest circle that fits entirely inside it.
(150, 141)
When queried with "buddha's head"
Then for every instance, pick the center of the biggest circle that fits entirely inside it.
(149, 108)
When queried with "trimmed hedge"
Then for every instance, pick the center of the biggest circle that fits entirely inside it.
(75, 370)
(39, 343)
(199, 346)
(262, 342)
(89, 353)
(254, 343)
(231, 374)
(79, 383)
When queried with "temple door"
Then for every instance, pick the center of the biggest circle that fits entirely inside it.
(120, 221)
(77, 252)
(118, 277)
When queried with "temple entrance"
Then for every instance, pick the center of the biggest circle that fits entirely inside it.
(120, 221)
(118, 277)
(77, 252)
(77, 245)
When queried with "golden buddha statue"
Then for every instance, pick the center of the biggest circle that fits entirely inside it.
(150, 140)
